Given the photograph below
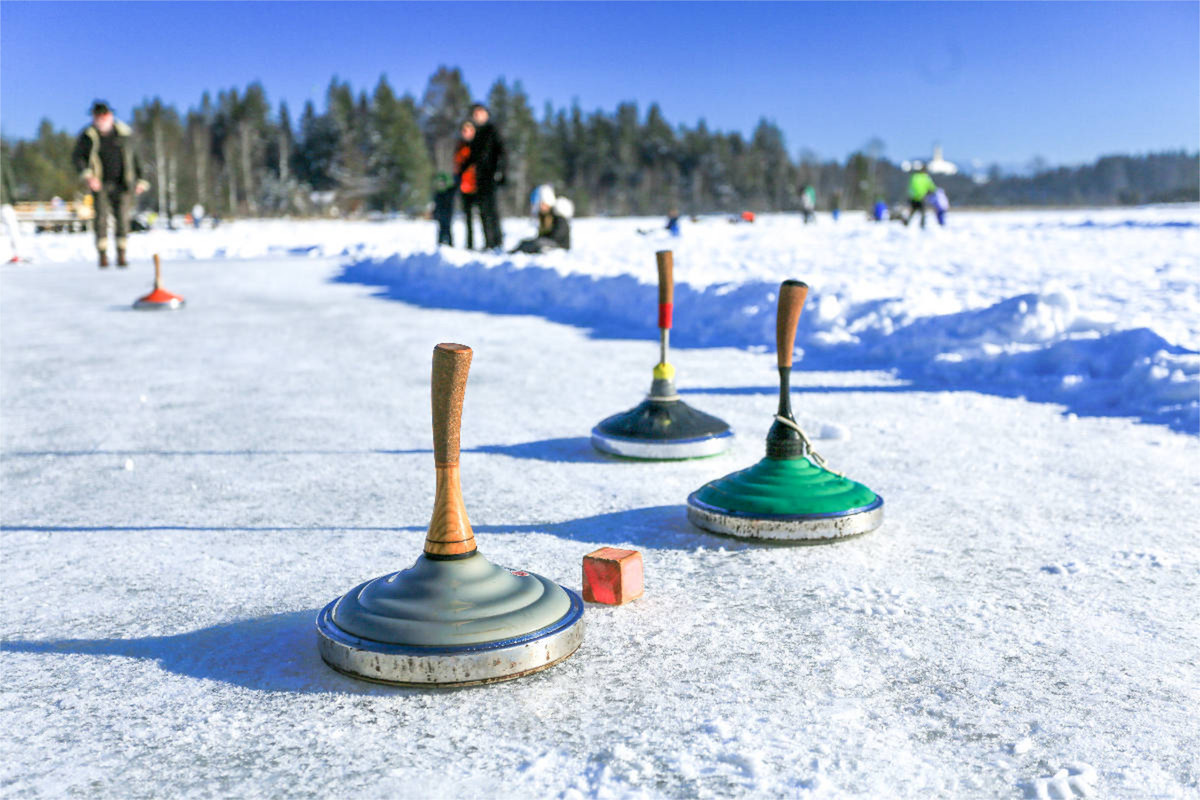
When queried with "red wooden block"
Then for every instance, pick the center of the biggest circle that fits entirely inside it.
(612, 576)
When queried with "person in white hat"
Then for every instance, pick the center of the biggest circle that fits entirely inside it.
(554, 222)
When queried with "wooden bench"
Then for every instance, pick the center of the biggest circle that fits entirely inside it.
(50, 216)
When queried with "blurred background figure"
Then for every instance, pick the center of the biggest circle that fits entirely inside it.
(554, 222)
(443, 207)
(835, 205)
(920, 186)
(465, 178)
(879, 212)
(487, 158)
(808, 202)
(672, 226)
(8, 215)
(106, 159)
(941, 204)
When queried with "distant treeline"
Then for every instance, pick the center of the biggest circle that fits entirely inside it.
(238, 155)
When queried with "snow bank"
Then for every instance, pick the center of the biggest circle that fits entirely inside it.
(1098, 309)
(1036, 345)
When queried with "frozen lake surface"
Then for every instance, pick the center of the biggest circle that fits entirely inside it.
(182, 492)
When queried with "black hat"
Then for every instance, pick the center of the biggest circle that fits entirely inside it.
(100, 107)
(479, 105)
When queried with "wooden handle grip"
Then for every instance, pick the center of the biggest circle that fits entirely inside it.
(791, 301)
(157, 272)
(451, 363)
(666, 276)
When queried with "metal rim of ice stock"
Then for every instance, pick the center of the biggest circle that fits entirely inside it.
(470, 665)
(786, 527)
(145, 305)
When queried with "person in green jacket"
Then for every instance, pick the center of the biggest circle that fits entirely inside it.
(107, 161)
(920, 186)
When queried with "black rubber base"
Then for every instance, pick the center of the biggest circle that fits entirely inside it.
(663, 420)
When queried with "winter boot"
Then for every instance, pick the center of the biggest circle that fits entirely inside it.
(103, 258)
(121, 262)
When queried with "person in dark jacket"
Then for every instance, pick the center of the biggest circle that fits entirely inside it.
(465, 179)
(443, 206)
(107, 161)
(554, 222)
(487, 157)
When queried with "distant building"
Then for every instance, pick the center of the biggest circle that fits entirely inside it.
(936, 165)
(940, 166)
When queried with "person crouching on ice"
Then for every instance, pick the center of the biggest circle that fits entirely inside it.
(554, 222)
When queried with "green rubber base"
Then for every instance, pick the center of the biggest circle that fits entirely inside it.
(792, 487)
(789, 500)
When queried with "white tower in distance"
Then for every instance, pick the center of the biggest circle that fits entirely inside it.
(940, 166)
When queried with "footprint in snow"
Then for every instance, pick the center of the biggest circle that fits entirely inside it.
(1136, 560)
(1073, 780)
(1069, 568)
(875, 602)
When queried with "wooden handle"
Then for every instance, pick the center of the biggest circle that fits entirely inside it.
(157, 272)
(450, 534)
(791, 301)
(451, 362)
(666, 287)
(666, 276)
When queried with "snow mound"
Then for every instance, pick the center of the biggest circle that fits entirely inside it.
(1034, 345)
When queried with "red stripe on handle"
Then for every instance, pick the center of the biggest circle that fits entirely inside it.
(664, 314)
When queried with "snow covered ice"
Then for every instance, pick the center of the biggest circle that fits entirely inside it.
(182, 492)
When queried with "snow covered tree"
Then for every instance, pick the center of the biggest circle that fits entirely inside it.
(399, 160)
(445, 104)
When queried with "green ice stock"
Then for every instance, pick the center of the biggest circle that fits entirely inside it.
(791, 486)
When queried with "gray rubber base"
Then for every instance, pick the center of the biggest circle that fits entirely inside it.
(809, 528)
(466, 665)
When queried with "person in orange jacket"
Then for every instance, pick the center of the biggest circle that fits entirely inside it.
(468, 187)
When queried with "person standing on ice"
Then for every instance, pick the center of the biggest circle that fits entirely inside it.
(554, 222)
(808, 202)
(443, 207)
(941, 204)
(920, 186)
(107, 161)
(8, 214)
(465, 178)
(487, 157)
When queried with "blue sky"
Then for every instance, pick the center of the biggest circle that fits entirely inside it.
(994, 81)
